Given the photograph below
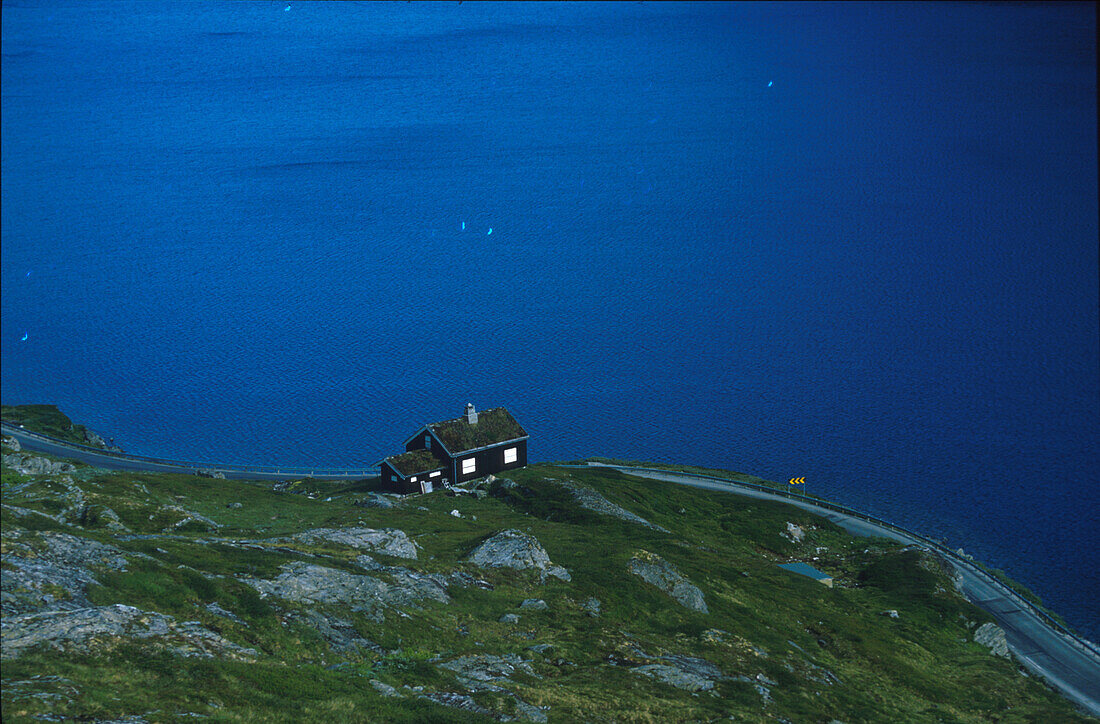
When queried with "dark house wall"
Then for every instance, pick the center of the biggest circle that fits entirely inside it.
(390, 478)
(395, 482)
(489, 461)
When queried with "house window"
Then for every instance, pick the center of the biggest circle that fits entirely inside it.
(469, 465)
(427, 441)
(509, 455)
(413, 479)
(436, 474)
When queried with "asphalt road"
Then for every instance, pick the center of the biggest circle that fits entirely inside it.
(1039, 647)
(110, 461)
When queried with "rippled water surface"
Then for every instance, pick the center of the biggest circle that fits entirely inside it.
(847, 242)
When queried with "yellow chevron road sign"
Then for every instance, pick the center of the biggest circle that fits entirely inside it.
(796, 481)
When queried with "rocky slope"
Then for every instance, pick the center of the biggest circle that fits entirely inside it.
(146, 597)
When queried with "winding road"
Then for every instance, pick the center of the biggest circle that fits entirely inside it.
(1069, 663)
(124, 461)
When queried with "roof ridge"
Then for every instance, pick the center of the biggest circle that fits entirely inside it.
(462, 418)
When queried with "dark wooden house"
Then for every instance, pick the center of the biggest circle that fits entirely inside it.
(472, 446)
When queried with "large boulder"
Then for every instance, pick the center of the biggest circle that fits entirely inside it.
(518, 550)
(83, 627)
(993, 636)
(510, 549)
(658, 572)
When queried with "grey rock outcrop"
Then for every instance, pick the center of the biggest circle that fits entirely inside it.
(217, 610)
(30, 465)
(556, 572)
(518, 550)
(591, 500)
(11, 443)
(465, 702)
(188, 518)
(592, 607)
(94, 439)
(83, 627)
(993, 636)
(388, 541)
(385, 689)
(658, 572)
(795, 532)
(374, 500)
(683, 672)
(339, 634)
(431, 586)
(677, 677)
(509, 618)
(487, 672)
(51, 570)
(534, 604)
(309, 583)
(109, 518)
(488, 667)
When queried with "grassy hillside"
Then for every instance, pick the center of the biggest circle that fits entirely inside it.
(46, 419)
(774, 646)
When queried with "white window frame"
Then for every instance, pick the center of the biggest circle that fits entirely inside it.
(413, 479)
(436, 474)
(469, 465)
(514, 452)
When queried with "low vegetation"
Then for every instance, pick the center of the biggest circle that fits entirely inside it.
(447, 640)
(46, 419)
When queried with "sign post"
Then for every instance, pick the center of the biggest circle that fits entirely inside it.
(797, 481)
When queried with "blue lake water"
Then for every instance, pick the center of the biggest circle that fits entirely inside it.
(855, 243)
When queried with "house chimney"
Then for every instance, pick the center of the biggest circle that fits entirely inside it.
(471, 413)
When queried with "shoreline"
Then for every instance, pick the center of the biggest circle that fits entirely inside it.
(1048, 648)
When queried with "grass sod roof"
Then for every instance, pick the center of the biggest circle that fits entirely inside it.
(493, 426)
(415, 461)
